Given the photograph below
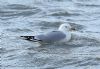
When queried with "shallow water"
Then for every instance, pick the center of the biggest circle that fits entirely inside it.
(28, 17)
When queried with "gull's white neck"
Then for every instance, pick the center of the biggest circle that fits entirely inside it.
(65, 31)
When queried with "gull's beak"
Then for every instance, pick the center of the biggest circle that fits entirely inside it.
(73, 29)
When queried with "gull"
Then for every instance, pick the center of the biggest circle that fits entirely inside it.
(63, 34)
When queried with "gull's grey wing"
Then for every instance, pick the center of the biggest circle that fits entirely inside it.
(51, 36)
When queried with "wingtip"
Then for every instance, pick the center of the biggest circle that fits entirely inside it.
(28, 37)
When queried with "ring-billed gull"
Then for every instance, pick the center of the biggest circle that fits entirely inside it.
(63, 34)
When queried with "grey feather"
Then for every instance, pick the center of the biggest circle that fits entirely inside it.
(51, 36)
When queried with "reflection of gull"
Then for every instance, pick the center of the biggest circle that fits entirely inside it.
(63, 34)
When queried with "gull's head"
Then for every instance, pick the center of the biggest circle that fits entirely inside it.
(65, 27)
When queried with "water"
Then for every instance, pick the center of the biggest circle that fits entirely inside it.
(28, 17)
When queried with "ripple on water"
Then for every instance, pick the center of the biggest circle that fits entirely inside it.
(48, 24)
(88, 5)
(18, 30)
(63, 13)
(18, 10)
(19, 7)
